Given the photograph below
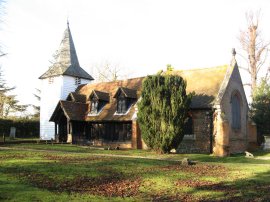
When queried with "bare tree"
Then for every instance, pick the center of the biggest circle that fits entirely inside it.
(107, 71)
(255, 48)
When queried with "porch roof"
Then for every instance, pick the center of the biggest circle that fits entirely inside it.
(73, 111)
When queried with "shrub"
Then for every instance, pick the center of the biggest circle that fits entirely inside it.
(260, 109)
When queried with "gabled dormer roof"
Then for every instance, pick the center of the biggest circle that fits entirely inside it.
(100, 95)
(129, 93)
(67, 62)
(76, 97)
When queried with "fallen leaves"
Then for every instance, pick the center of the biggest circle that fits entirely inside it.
(113, 185)
(71, 159)
(198, 169)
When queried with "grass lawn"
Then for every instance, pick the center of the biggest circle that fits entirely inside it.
(72, 173)
(10, 140)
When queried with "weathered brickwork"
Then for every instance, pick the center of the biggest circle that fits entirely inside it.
(202, 130)
(252, 136)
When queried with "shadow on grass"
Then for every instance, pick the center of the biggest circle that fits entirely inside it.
(256, 187)
(236, 158)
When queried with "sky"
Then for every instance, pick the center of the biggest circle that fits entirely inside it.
(139, 36)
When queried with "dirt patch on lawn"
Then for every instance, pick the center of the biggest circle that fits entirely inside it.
(231, 192)
(198, 169)
(13, 156)
(71, 159)
(113, 185)
(201, 184)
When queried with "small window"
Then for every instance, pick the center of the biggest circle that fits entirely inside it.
(77, 81)
(94, 107)
(188, 130)
(236, 112)
(51, 79)
(121, 105)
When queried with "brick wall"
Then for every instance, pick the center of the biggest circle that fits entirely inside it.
(201, 128)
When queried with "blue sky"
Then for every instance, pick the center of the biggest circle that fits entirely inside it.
(140, 36)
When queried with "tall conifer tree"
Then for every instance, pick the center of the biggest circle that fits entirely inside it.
(163, 111)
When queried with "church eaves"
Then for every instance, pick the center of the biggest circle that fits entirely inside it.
(67, 62)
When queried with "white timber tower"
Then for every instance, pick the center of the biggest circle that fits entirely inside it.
(63, 77)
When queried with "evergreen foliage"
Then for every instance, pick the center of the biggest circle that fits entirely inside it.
(25, 128)
(260, 108)
(162, 111)
(37, 107)
(8, 103)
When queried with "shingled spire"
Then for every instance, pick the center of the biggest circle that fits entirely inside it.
(67, 62)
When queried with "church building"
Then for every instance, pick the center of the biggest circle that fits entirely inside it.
(105, 114)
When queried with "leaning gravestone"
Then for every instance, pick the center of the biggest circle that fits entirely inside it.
(12, 133)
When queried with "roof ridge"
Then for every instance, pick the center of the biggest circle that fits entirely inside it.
(107, 82)
(203, 68)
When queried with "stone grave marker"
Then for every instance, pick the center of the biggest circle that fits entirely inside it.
(12, 133)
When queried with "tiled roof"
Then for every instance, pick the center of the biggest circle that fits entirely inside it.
(101, 95)
(108, 112)
(129, 93)
(67, 62)
(206, 84)
(74, 111)
(76, 97)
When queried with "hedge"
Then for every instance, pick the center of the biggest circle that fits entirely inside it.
(25, 128)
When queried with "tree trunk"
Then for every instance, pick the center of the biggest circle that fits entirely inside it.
(252, 56)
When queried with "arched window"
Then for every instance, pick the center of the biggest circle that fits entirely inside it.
(236, 112)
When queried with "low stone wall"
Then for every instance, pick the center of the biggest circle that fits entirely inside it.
(189, 146)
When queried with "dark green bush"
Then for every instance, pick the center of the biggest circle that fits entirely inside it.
(25, 128)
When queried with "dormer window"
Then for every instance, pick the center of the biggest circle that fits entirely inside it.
(125, 98)
(94, 106)
(77, 81)
(98, 100)
(121, 105)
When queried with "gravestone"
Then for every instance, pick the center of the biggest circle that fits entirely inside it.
(12, 133)
(249, 155)
(266, 145)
